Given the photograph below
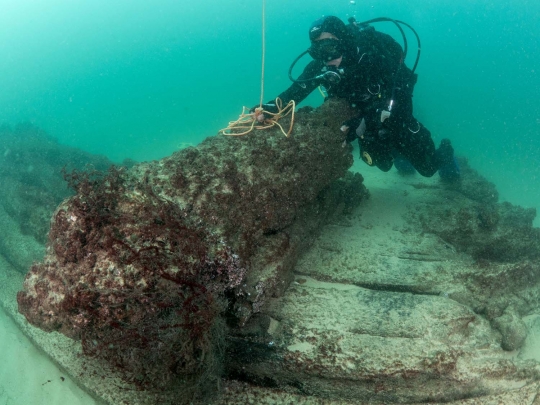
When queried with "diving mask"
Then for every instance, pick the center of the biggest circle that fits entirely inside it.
(326, 49)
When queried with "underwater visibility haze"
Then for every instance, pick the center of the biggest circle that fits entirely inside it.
(130, 82)
(138, 80)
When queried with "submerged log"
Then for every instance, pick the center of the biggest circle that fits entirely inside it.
(144, 265)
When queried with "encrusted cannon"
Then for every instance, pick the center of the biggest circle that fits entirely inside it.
(147, 266)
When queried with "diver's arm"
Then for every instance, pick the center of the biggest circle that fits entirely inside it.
(299, 90)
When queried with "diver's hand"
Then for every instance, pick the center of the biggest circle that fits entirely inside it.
(369, 125)
(267, 110)
(353, 128)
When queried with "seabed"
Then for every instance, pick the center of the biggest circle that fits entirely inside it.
(377, 294)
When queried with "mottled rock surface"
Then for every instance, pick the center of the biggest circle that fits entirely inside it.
(401, 302)
(31, 164)
(237, 393)
(142, 263)
(478, 225)
(426, 293)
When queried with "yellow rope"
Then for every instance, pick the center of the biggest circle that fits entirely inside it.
(263, 51)
(249, 121)
(259, 118)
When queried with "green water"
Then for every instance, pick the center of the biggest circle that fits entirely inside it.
(139, 79)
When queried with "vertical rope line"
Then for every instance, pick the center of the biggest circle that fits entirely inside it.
(263, 52)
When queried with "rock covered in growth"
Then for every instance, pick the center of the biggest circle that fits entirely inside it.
(385, 310)
(252, 186)
(499, 239)
(31, 165)
(473, 185)
(142, 262)
(512, 328)
(482, 227)
(134, 277)
(341, 341)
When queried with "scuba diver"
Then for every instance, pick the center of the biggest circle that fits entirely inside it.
(357, 63)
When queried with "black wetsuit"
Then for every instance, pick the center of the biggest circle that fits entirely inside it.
(372, 73)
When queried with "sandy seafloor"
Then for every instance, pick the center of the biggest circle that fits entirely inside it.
(28, 376)
(25, 372)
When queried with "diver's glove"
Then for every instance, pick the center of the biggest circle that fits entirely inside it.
(353, 128)
(360, 127)
(267, 108)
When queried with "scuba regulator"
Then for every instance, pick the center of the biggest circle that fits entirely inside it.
(330, 74)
